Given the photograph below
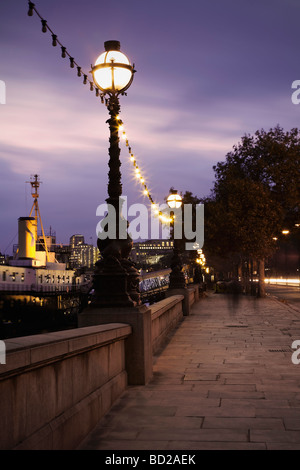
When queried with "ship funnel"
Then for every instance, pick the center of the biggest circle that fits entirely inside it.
(27, 232)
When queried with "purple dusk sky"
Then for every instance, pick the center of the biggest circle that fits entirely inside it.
(207, 73)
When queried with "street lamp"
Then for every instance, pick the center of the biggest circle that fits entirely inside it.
(286, 232)
(174, 200)
(116, 280)
(177, 279)
(112, 73)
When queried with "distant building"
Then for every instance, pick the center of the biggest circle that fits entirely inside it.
(82, 255)
(151, 251)
(76, 240)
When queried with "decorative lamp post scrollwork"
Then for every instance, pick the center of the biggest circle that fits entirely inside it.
(116, 280)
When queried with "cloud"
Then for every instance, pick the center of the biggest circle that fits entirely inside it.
(216, 72)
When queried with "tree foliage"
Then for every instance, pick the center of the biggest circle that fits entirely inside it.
(255, 195)
(271, 159)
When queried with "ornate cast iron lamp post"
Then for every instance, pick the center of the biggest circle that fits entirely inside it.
(177, 279)
(116, 280)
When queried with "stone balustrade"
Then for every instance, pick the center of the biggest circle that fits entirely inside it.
(55, 387)
(165, 315)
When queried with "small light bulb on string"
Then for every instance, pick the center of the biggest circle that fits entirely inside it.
(156, 211)
(159, 214)
(44, 24)
(31, 7)
(84, 79)
(54, 40)
(71, 62)
(63, 52)
(78, 71)
(91, 86)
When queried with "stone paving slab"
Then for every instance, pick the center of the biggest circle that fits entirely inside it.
(224, 381)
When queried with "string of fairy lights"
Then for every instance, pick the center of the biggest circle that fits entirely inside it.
(120, 124)
(64, 52)
(86, 80)
(140, 177)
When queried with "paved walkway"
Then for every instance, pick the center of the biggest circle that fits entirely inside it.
(225, 380)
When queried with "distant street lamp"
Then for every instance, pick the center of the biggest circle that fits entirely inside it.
(174, 200)
(285, 232)
(116, 280)
(177, 279)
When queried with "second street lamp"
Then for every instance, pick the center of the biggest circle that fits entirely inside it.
(177, 279)
(174, 200)
(116, 280)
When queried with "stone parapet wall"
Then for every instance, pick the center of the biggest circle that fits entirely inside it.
(165, 315)
(55, 387)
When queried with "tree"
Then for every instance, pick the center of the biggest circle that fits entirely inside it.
(256, 193)
(272, 159)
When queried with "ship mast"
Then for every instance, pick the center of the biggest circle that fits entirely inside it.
(35, 184)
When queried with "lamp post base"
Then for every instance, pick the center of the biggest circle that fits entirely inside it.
(116, 279)
(116, 282)
(177, 279)
(110, 284)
